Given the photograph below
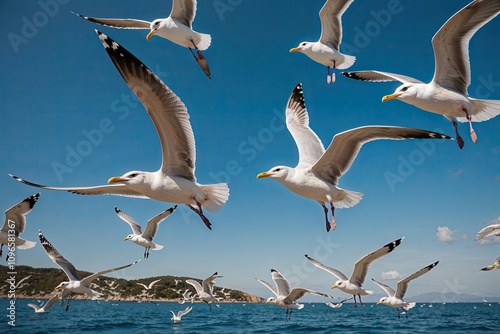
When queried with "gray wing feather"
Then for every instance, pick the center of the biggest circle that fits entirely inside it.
(331, 21)
(378, 76)
(118, 23)
(58, 259)
(403, 284)
(136, 228)
(87, 280)
(18, 212)
(332, 271)
(153, 223)
(184, 11)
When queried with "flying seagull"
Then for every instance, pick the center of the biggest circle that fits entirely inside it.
(488, 231)
(205, 290)
(395, 298)
(178, 28)
(15, 223)
(495, 265)
(318, 171)
(284, 296)
(175, 181)
(47, 305)
(447, 94)
(145, 239)
(338, 305)
(150, 285)
(354, 284)
(178, 317)
(75, 284)
(326, 50)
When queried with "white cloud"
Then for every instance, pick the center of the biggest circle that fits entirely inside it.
(465, 237)
(390, 275)
(445, 234)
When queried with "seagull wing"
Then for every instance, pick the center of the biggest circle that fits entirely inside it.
(153, 283)
(115, 189)
(282, 286)
(142, 284)
(361, 267)
(196, 285)
(488, 231)
(298, 293)
(209, 283)
(136, 228)
(331, 21)
(390, 292)
(18, 284)
(184, 312)
(378, 76)
(184, 11)
(18, 213)
(58, 259)
(345, 146)
(332, 271)
(153, 223)
(51, 302)
(87, 280)
(451, 44)
(297, 121)
(403, 284)
(269, 286)
(166, 110)
(118, 23)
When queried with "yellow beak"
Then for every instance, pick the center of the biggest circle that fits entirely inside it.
(262, 175)
(378, 303)
(151, 33)
(57, 287)
(116, 179)
(294, 49)
(390, 97)
(334, 287)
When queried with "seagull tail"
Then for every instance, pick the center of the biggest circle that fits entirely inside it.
(483, 110)
(157, 247)
(25, 244)
(347, 62)
(409, 306)
(217, 195)
(204, 41)
(350, 199)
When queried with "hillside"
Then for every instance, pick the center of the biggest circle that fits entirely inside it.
(40, 283)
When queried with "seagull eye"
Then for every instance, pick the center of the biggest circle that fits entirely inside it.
(133, 175)
(303, 44)
(404, 89)
(277, 169)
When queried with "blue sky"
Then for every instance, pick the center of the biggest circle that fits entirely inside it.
(60, 86)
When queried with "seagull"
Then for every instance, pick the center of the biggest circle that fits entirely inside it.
(395, 298)
(145, 238)
(177, 28)
(326, 50)
(284, 297)
(150, 286)
(488, 231)
(75, 284)
(204, 291)
(177, 318)
(318, 171)
(353, 285)
(495, 265)
(337, 305)
(186, 297)
(447, 94)
(47, 305)
(174, 181)
(15, 223)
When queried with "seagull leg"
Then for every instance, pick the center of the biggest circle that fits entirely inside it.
(210, 306)
(354, 297)
(199, 211)
(147, 252)
(359, 296)
(201, 60)
(406, 312)
(473, 135)
(460, 141)
(333, 72)
(325, 209)
(1, 246)
(334, 222)
(399, 315)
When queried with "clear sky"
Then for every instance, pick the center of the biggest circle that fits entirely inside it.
(60, 87)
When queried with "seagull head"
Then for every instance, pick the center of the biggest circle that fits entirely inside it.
(61, 286)
(128, 237)
(153, 28)
(133, 177)
(339, 284)
(278, 172)
(403, 92)
(303, 47)
(382, 300)
(271, 300)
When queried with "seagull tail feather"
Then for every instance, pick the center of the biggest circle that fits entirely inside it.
(204, 41)
(26, 244)
(409, 306)
(351, 198)
(217, 195)
(483, 110)
(347, 62)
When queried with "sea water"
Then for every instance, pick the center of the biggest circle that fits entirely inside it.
(149, 318)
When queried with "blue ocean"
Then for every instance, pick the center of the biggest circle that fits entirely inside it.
(150, 318)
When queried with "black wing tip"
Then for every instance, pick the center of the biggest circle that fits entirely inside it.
(273, 270)
(298, 95)
(394, 244)
(32, 200)
(432, 265)
(172, 209)
(353, 75)
(117, 210)
(437, 135)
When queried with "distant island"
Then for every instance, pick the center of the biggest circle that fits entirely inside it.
(39, 283)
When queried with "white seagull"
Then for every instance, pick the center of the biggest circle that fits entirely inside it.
(326, 50)
(284, 296)
(395, 298)
(178, 317)
(318, 171)
(447, 94)
(75, 284)
(15, 223)
(495, 265)
(145, 239)
(205, 290)
(47, 305)
(354, 284)
(177, 28)
(150, 285)
(488, 231)
(337, 305)
(175, 181)
(186, 297)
